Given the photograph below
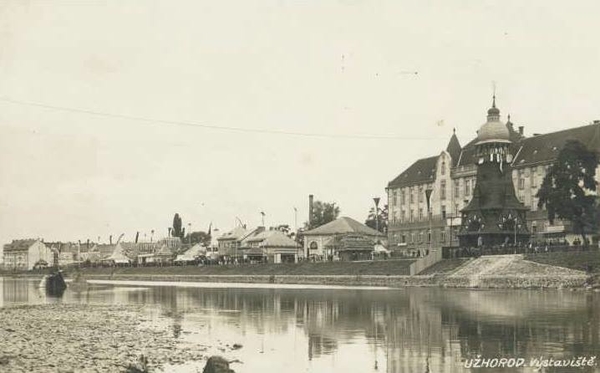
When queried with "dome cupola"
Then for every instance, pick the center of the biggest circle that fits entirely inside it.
(493, 130)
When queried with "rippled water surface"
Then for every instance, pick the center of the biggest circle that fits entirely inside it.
(356, 330)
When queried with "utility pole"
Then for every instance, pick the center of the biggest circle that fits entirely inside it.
(295, 220)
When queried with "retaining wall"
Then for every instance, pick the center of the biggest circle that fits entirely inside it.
(357, 280)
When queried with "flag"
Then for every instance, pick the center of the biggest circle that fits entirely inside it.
(262, 213)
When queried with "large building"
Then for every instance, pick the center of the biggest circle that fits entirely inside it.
(449, 179)
(26, 254)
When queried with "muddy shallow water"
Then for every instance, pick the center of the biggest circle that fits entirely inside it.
(290, 329)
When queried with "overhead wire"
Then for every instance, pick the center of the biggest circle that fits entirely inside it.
(209, 126)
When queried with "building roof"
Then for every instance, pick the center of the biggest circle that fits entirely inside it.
(341, 226)
(545, 148)
(278, 239)
(422, 171)
(454, 148)
(19, 245)
(234, 234)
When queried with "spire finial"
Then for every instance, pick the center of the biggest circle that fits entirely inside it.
(509, 117)
(494, 97)
(454, 131)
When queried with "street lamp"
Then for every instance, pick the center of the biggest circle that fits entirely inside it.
(428, 192)
(376, 200)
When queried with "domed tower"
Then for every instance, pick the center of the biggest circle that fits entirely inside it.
(494, 216)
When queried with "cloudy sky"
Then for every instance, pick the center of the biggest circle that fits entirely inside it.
(116, 114)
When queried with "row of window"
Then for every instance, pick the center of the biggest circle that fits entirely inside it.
(410, 218)
(424, 236)
(418, 194)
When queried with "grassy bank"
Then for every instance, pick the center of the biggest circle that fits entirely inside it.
(575, 260)
(375, 268)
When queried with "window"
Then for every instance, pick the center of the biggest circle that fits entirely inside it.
(421, 194)
(403, 196)
(403, 216)
(403, 238)
(443, 170)
(428, 236)
(396, 198)
(533, 178)
(421, 237)
(442, 236)
(456, 209)
(443, 212)
(420, 213)
(412, 197)
(457, 188)
(412, 215)
(467, 188)
(443, 190)
(521, 183)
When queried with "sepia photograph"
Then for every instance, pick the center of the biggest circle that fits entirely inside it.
(299, 186)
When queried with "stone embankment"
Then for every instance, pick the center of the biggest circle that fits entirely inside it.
(87, 338)
(512, 271)
(328, 280)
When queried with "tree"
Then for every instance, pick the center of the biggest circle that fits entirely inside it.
(200, 237)
(177, 232)
(323, 213)
(567, 189)
(285, 229)
(383, 219)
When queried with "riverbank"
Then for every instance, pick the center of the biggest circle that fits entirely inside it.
(497, 271)
(82, 338)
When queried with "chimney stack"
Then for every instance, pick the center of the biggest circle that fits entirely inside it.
(110, 239)
(310, 210)
(521, 130)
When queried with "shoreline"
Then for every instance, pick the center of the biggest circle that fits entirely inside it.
(578, 281)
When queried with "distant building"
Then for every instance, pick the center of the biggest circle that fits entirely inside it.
(271, 245)
(230, 242)
(451, 175)
(343, 238)
(25, 254)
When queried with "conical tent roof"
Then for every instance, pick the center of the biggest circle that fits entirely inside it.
(118, 256)
(164, 251)
(192, 253)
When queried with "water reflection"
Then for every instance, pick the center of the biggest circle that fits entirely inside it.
(408, 330)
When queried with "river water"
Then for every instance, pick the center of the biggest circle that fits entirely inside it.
(291, 329)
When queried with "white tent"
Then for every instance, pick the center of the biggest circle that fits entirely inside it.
(191, 254)
(117, 256)
(378, 249)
